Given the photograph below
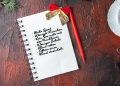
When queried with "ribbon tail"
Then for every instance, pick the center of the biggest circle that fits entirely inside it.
(63, 19)
(51, 15)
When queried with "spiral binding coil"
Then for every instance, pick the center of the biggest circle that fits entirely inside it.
(27, 50)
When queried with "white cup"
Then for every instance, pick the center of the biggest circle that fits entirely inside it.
(118, 1)
(113, 17)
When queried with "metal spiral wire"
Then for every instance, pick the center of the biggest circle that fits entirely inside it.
(27, 49)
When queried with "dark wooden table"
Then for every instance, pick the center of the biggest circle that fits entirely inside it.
(100, 46)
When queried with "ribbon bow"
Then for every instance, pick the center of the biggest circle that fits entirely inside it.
(62, 12)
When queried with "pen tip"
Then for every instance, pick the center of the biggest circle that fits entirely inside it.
(83, 59)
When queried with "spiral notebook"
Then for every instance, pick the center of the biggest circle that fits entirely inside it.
(48, 46)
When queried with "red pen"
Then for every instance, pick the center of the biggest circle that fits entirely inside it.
(77, 37)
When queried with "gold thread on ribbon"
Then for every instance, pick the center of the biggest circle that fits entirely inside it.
(63, 17)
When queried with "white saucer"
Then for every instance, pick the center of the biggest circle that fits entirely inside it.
(113, 18)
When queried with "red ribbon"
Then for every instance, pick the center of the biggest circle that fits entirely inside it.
(67, 11)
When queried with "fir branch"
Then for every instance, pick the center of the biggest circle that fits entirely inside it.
(10, 5)
(5, 1)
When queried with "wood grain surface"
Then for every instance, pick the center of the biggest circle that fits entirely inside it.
(100, 46)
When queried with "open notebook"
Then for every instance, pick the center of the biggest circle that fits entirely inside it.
(48, 46)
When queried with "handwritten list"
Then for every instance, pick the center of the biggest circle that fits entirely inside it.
(47, 40)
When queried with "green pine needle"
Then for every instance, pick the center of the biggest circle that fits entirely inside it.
(5, 1)
(10, 5)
